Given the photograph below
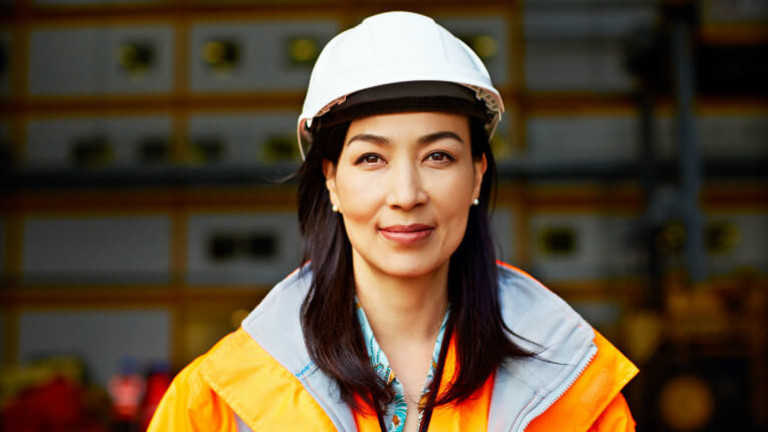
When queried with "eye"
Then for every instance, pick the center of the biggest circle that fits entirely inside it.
(439, 156)
(369, 159)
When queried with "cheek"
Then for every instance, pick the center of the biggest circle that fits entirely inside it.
(451, 199)
(455, 190)
(360, 197)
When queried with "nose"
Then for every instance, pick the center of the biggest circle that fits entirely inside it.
(405, 187)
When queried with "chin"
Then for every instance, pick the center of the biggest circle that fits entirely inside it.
(408, 267)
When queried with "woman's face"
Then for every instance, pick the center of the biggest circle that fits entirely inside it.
(404, 184)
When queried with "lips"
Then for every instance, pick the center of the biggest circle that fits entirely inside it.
(407, 234)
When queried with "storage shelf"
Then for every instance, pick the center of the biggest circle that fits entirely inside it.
(737, 169)
(42, 296)
(146, 177)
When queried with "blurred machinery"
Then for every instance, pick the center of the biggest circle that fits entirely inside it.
(126, 391)
(52, 394)
(701, 336)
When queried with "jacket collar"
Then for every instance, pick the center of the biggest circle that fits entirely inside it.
(523, 388)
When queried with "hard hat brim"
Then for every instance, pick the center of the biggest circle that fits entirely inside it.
(411, 96)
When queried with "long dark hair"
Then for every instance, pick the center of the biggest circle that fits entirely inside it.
(331, 330)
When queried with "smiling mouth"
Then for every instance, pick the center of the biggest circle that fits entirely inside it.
(407, 234)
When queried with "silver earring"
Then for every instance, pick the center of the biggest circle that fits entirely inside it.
(334, 208)
(475, 202)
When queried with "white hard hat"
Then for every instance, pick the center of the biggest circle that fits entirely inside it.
(389, 48)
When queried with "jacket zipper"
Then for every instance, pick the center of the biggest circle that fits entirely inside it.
(564, 389)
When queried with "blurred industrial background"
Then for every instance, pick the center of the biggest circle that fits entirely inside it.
(142, 143)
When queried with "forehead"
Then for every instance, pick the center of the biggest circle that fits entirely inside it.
(410, 124)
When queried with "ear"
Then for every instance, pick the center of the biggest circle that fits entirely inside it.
(480, 166)
(329, 171)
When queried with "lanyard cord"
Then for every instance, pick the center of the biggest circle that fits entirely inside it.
(433, 388)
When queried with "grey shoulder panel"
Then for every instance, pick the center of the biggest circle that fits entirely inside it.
(275, 324)
(545, 324)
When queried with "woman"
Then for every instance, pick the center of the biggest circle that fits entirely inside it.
(401, 320)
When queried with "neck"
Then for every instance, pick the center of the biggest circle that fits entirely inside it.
(402, 308)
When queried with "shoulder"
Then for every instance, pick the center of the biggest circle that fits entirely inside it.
(265, 359)
(191, 403)
(517, 285)
(538, 315)
(208, 392)
(576, 374)
(594, 401)
(225, 386)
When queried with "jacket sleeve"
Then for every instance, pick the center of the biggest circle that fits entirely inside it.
(191, 405)
(615, 417)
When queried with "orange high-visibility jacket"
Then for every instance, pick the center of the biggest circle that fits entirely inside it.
(260, 377)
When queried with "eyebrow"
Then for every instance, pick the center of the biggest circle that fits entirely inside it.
(437, 136)
(426, 139)
(375, 139)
